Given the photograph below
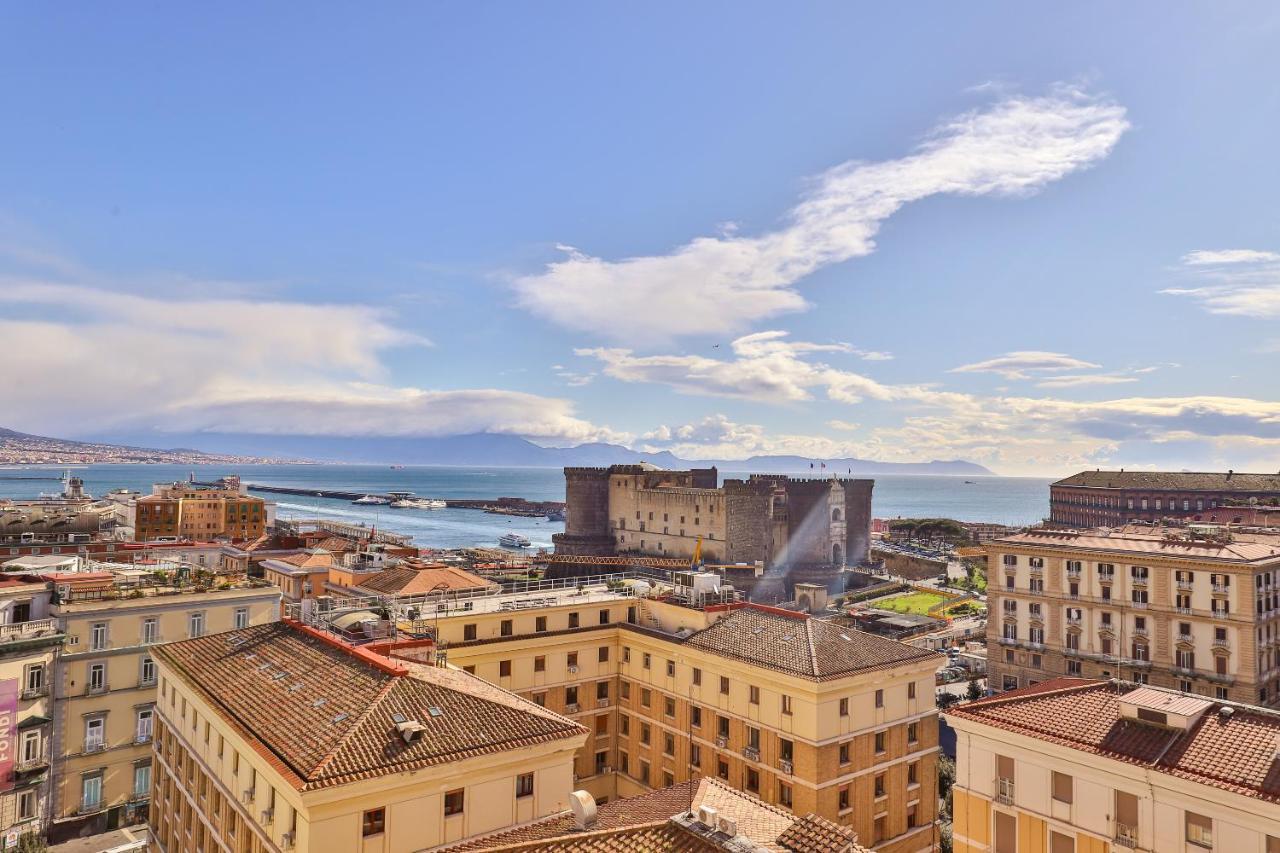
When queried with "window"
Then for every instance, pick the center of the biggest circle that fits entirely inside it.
(573, 619)
(469, 632)
(669, 744)
(753, 780)
(572, 660)
(645, 697)
(374, 823)
(151, 630)
(540, 624)
(844, 753)
(148, 675)
(1063, 789)
(453, 803)
(602, 724)
(30, 746)
(669, 707)
(143, 725)
(695, 717)
(98, 639)
(645, 733)
(524, 784)
(624, 724)
(141, 780)
(648, 660)
(844, 707)
(879, 741)
(241, 617)
(724, 685)
(671, 669)
(602, 655)
(97, 677)
(34, 679)
(880, 789)
(879, 698)
(602, 690)
(697, 676)
(506, 628)
(539, 664)
(911, 690)
(504, 669)
(605, 618)
(1200, 830)
(91, 792)
(195, 624)
(786, 704)
(844, 798)
(571, 695)
(27, 807)
(753, 695)
(625, 689)
(912, 732)
(913, 773)
(784, 794)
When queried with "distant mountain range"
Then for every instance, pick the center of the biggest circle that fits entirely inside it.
(20, 448)
(486, 449)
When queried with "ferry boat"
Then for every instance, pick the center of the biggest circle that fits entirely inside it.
(372, 499)
(417, 503)
(513, 540)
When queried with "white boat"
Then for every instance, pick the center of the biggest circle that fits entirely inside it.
(437, 504)
(417, 503)
(513, 540)
(372, 499)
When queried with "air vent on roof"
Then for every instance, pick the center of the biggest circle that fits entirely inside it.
(434, 711)
(279, 675)
(296, 686)
(397, 717)
(263, 667)
(788, 638)
(250, 655)
(340, 717)
(410, 730)
(318, 703)
(846, 637)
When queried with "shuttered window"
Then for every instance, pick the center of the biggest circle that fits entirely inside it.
(1004, 767)
(1062, 787)
(1126, 809)
(1059, 843)
(1006, 833)
(1200, 830)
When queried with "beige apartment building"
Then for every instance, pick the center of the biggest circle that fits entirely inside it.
(1192, 608)
(1086, 766)
(280, 737)
(29, 641)
(804, 714)
(105, 683)
(200, 513)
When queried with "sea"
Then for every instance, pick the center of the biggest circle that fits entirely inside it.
(1002, 500)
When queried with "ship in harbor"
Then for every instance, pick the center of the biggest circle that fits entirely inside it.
(513, 540)
(372, 500)
(418, 503)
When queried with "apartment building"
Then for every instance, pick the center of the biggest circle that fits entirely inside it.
(1087, 766)
(105, 683)
(1112, 498)
(190, 511)
(1195, 609)
(806, 715)
(29, 641)
(280, 737)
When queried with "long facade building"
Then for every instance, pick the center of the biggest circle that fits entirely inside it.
(1199, 612)
(203, 513)
(773, 520)
(1110, 498)
(806, 715)
(1086, 766)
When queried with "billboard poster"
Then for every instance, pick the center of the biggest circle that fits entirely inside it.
(8, 731)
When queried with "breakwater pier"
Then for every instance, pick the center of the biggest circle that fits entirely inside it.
(500, 505)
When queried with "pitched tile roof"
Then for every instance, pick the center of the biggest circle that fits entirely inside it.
(800, 645)
(1236, 752)
(326, 716)
(815, 834)
(1217, 481)
(656, 837)
(1148, 543)
(410, 579)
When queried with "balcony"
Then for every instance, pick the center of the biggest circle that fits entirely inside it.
(1221, 643)
(1139, 632)
(35, 692)
(1106, 577)
(751, 753)
(602, 703)
(1004, 792)
(571, 708)
(28, 630)
(96, 689)
(1126, 836)
(95, 746)
(786, 766)
(1184, 585)
(1074, 621)
(1139, 582)
(1186, 638)
(1221, 588)
(1182, 611)
(1073, 573)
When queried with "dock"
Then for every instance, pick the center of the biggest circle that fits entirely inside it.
(500, 506)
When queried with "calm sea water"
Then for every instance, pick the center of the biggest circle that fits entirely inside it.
(1005, 500)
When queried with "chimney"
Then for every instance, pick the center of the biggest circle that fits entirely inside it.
(583, 806)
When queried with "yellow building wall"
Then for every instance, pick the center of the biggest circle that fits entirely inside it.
(971, 819)
(1032, 835)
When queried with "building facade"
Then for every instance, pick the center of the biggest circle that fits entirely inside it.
(1199, 612)
(279, 737)
(1074, 766)
(776, 521)
(106, 677)
(29, 642)
(1110, 498)
(805, 715)
(202, 513)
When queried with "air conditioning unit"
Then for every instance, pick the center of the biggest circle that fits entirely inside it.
(602, 703)
(287, 840)
(268, 815)
(728, 826)
(573, 668)
(248, 795)
(571, 709)
(708, 816)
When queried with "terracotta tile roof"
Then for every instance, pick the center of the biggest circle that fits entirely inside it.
(327, 716)
(646, 808)
(800, 645)
(412, 580)
(1217, 481)
(1237, 752)
(656, 837)
(336, 543)
(1250, 549)
(815, 834)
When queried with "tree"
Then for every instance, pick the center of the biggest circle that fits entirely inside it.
(975, 691)
(946, 700)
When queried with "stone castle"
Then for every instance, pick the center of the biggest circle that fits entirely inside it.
(802, 529)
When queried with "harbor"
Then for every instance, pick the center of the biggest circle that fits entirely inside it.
(498, 506)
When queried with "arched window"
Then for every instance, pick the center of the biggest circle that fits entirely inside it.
(837, 554)
(835, 514)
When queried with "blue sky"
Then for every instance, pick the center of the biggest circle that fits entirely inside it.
(1037, 238)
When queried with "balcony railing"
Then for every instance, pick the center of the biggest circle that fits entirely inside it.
(35, 692)
(1139, 632)
(1221, 588)
(1139, 582)
(28, 630)
(1074, 621)
(1221, 643)
(751, 753)
(786, 766)
(1184, 611)
(1184, 585)
(1185, 638)
(1004, 791)
(95, 746)
(1073, 572)
(95, 689)
(1126, 836)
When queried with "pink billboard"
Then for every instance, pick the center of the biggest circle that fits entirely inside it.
(8, 731)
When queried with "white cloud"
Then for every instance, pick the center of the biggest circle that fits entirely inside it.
(1080, 380)
(724, 283)
(105, 360)
(1023, 363)
(846, 426)
(1203, 257)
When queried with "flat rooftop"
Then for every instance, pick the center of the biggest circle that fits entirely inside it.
(1171, 542)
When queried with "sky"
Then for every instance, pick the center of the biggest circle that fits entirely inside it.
(1037, 237)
